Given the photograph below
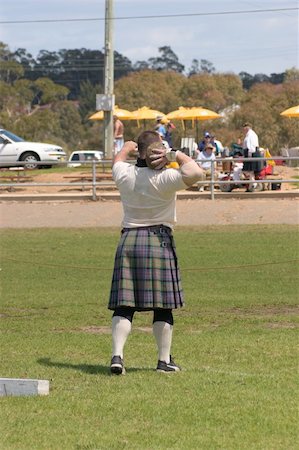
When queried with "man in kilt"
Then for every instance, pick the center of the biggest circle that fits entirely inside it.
(250, 148)
(146, 275)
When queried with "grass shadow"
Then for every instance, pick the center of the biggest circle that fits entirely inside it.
(92, 369)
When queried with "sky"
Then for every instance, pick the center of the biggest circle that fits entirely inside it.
(215, 30)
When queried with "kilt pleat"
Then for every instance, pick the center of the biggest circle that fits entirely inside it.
(146, 273)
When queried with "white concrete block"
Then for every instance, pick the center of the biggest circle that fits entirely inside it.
(19, 387)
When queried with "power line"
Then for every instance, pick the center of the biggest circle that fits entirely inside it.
(160, 16)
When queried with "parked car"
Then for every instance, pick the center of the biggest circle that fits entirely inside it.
(80, 156)
(14, 149)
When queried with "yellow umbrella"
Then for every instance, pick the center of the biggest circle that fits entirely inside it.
(122, 114)
(291, 112)
(176, 114)
(194, 113)
(146, 113)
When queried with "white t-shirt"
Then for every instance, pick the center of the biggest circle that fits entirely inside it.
(203, 159)
(251, 141)
(148, 196)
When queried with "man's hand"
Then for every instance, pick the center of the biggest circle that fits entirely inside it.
(155, 156)
(130, 147)
(129, 150)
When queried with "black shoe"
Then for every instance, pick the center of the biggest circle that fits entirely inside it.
(170, 367)
(117, 366)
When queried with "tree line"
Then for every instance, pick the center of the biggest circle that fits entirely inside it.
(50, 97)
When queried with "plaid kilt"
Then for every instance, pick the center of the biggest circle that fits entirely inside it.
(146, 273)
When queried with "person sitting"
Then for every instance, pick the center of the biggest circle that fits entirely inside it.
(237, 148)
(218, 145)
(206, 140)
(237, 166)
(204, 160)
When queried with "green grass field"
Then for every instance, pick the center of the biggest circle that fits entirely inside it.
(236, 339)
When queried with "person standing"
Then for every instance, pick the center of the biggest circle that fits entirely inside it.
(118, 134)
(146, 275)
(169, 126)
(250, 146)
(160, 127)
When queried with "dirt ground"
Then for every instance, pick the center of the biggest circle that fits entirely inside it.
(107, 213)
(195, 212)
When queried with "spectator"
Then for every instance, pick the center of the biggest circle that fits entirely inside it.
(237, 166)
(204, 159)
(146, 275)
(250, 146)
(237, 147)
(206, 140)
(118, 134)
(160, 127)
(218, 145)
(169, 126)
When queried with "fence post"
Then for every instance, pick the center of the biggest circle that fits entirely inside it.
(94, 180)
(212, 179)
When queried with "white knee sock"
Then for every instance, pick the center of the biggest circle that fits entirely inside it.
(121, 328)
(163, 334)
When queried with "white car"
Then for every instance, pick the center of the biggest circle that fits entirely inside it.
(82, 156)
(14, 149)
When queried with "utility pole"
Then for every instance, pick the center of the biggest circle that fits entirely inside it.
(109, 79)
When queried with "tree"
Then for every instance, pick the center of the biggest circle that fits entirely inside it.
(25, 93)
(247, 79)
(25, 59)
(195, 68)
(80, 65)
(261, 78)
(201, 90)
(230, 86)
(72, 67)
(71, 129)
(291, 75)
(167, 60)
(122, 66)
(49, 91)
(15, 100)
(10, 69)
(157, 90)
(206, 66)
(276, 78)
(87, 98)
(141, 65)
